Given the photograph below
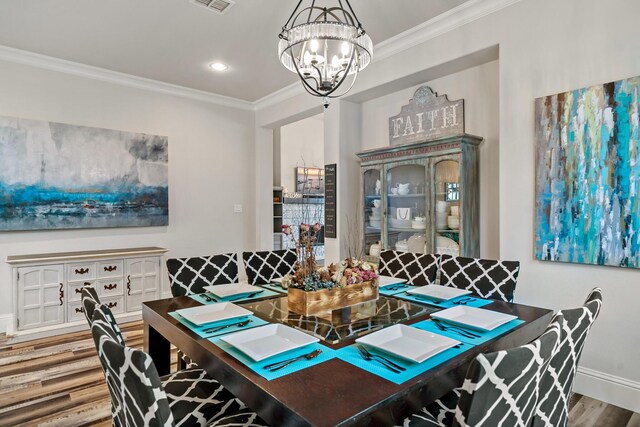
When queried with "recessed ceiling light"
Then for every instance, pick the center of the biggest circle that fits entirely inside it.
(219, 66)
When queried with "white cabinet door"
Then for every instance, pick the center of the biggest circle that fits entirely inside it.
(41, 299)
(142, 281)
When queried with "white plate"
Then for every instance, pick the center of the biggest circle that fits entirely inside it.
(407, 342)
(232, 289)
(479, 318)
(277, 280)
(388, 280)
(439, 293)
(212, 313)
(268, 340)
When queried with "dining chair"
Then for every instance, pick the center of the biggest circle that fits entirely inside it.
(486, 278)
(264, 266)
(190, 275)
(90, 293)
(555, 388)
(500, 388)
(89, 302)
(417, 269)
(140, 397)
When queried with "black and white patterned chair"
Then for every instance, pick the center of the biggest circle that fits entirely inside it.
(486, 278)
(190, 275)
(555, 387)
(264, 266)
(140, 397)
(90, 302)
(500, 388)
(417, 269)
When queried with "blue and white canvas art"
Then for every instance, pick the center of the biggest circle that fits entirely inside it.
(60, 176)
(588, 175)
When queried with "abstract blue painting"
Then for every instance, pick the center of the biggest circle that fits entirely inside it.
(588, 175)
(60, 176)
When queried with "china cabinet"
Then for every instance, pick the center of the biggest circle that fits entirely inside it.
(422, 197)
(48, 287)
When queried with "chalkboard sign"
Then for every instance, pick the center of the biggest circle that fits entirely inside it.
(330, 200)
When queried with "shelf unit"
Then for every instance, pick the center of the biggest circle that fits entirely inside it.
(277, 217)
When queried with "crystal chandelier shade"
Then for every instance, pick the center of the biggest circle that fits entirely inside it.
(327, 49)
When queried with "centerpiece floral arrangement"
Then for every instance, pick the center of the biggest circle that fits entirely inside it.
(309, 277)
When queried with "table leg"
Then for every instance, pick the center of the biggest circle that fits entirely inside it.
(158, 348)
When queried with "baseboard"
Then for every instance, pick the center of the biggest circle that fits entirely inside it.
(608, 388)
(6, 323)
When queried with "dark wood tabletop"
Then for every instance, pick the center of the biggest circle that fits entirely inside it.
(333, 393)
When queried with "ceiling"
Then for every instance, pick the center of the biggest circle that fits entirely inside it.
(173, 41)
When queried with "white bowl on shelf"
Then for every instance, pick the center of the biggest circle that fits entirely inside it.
(453, 222)
(399, 223)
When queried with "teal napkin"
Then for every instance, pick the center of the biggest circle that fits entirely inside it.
(351, 355)
(258, 367)
(234, 298)
(199, 330)
(468, 300)
(390, 289)
(429, 325)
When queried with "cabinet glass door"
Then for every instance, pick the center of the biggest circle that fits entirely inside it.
(447, 207)
(406, 207)
(372, 211)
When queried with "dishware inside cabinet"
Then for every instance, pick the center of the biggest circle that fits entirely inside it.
(373, 211)
(447, 205)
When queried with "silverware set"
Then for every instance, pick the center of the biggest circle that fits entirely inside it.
(463, 301)
(272, 367)
(455, 329)
(219, 328)
(366, 355)
(394, 287)
(242, 296)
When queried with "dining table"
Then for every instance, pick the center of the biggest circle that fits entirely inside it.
(334, 392)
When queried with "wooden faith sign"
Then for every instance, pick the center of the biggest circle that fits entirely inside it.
(427, 116)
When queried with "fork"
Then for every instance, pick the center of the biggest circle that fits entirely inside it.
(455, 329)
(463, 301)
(251, 295)
(381, 360)
(207, 297)
(363, 349)
(393, 287)
(284, 363)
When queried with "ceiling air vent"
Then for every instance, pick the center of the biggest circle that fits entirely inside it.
(218, 6)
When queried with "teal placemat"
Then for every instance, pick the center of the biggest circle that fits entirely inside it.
(394, 289)
(202, 298)
(429, 325)
(351, 355)
(257, 367)
(255, 321)
(464, 300)
(274, 287)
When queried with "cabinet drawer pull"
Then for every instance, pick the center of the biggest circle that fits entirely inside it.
(111, 268)
(129, 285)
(80, 310)
(61, 292)
(82, 271)
(86, 284)
(78, 291)
(112, 304)
(110, 286)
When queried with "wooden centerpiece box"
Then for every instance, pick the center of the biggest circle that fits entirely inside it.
(309, 303)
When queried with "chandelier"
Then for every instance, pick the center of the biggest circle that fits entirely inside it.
(326, 47)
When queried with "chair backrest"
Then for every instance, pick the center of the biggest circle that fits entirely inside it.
(137, 396)
(487, 278)
(190, 275)
(501, 388)
(103, 315)
(418, 269)
(264, 266)
(555, 388)
(89, 300)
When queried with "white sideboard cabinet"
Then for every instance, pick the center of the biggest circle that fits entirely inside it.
(48, 287)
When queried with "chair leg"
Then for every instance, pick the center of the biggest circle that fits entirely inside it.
(182, 364)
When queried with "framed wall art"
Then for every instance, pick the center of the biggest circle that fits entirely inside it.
(588, 175)
(61, 176)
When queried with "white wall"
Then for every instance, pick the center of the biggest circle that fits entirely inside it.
(211, 157)
(478, 86)
(545, 47)
(301, 144)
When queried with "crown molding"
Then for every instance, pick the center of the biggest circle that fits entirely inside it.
(18, 56)
(450, 20)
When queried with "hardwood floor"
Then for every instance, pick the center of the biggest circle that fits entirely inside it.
(58, 381)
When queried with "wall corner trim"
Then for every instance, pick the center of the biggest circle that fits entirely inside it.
(609, 388)
(50, 63)
(6, 324)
